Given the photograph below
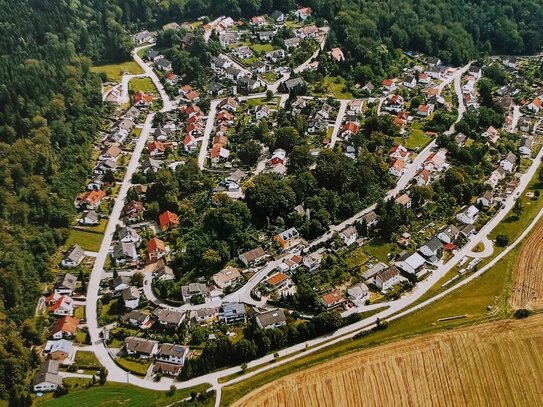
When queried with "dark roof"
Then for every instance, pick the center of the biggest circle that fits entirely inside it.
(271, 317)
(433, 244)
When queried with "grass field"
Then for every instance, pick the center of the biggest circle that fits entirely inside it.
(416, 141)
(495, 364)
(262, 48)
(86, 360)
(138, 367)
(117, 395)
(142, 84)
(336, 84)
(378, 249)
(114, 72)
(86, 239)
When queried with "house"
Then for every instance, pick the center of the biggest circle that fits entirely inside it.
(150, 165)
(411, 264)
(359, 293)
(232, 312)
(313, 261)
(387, 278)
(526, 144)
(219, 64)
(143, 100)
(332, 299)
(137, 318)
(65, 327)
(288, 238)
(227, 277)
(90, 200)
(485, 199)
(233, 73)
(495, 177)
(468, 216)
(103, 167)
(219, 154)
(168, 369)
(460, 139)
(394, 103)
(292, 83)
(292, 42)
(349, 235)
(397, 167)
(61, 350)
(168, 220)
(425, 110)
(125, 254)
(278, 156)
(171, 78)
(410, 82)
(156, 148)
(194, 290)
(398, 151)
(262, 112)
(403, 200)
(261, 67)
(168, 318)
(279, 169)
(163, 64)
(162, 272)
(66, 284)
(48, 377)
(253, 256)
(140, 346)
(276, 55)
(491, 134)
(120, 283)
(434, 72)
(475, 72)
(228, 38)
(508, 163)
(535, 105)
(131, 297)
(142, 37)
(524, 124)
(229, 104)
(423, 177)
(370, 218)
(61, 306)
(128, 235)
(156, 249)
(337, 54)
(271, 319)
(250, 84)
(278, 280)
(133, 113)
(432, 61)
(112, 151)
(172, 353)
(303, 13)
(389, 85)
(133, 211)
(234, 179)
(448, 234)
(265, 36)
(349, 129)
(432, 248)
(243, 52)
(278, 16)
(73, 257)
(205, 316)
(436, 161)
(258, 21)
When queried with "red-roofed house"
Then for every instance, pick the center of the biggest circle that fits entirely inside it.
(397, 167)
(425, 110)
(423, 177)
(333, 299)
(337, 54)
(65, 327)
(348, 129)
(142, 100)
(389, 85)
(303, 12)
(258, 21)
(189, 143)
(168, 220)
(155, 148)
(156, 249)
(90, 200)
(171, 78)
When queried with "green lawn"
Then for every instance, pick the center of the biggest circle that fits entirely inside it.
(79, 312)
(263, 101)
(114, 72)
(117, 395)
(142, 84)
(100, 228)
(138, 367)
(86, 239)
(291, 24)
(416, 141)
(110, 312)
(356, 258)
(337, 88)
(270, 76)
(262, 48)
(378, 249)
(86, 360)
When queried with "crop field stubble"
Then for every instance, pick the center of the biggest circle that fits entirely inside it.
(494, 364)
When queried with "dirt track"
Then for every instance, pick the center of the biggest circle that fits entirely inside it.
(496, 364)
(527, 288)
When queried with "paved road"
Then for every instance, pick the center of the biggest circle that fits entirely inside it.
(516, 117)
(303, 66)
(337, 126)
(210, 124)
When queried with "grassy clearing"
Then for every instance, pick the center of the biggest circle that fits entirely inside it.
(416, 141)
(142, 84)
(86, 239)
(270, 76)
(114, 72)
(100, 228)
(356, 258)
(116, 395)
(379, 250)
(337, 87)
(263, 101)
(137, 366)
(86, 360)
(262, 48)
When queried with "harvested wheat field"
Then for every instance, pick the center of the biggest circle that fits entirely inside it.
(527, 288)
(495, 364)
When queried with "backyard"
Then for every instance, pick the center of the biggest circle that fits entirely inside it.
(114, 72)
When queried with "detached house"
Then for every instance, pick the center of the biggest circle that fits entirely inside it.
(73, 258)
(227, 277)
(448, 234)
(432, 248)
(66, 284)
(65, 327)
(90, 200)
(168, 220)
(233, 312)
(508, 163)
(140, 346)
(359, 293)
(333, 299)
(131, 297)
(387, 278)
(485, 199)
(172, 353)
(194, 289)
(526, 144)
(271, 319)
(469, 215)
(349, 235)
(253, 256)
(125, 254)
(156, 249)
(288, 238)
(168, 318)
(48, 377)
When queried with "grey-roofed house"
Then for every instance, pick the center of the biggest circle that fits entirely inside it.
(359, 293)
(168, 318)
(371, 219)
(526, 145)
(233, 312)
(137, 318)
(89, 218)
(387, 278)
(278, 16)
(243, 52)
(74, 256)
(194, 289)
(292, 42)
(125, 254)
(163, 64)
(374, 270)
(151, 55)
(448, 234)
(150, 164)
(265, 35)
(253, 256)
(66, 284)
(271, 319)
(128, 235)
(47, 378)
(172, 353)
(162, 272)
(431, 248)
(131, 297)
(133, 113)
(120, 283)
(292, 83)
(142, 37)
(140, 346)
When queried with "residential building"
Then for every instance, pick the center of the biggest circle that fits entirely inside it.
(120, 283)
(137, 318)
(142, 37)
(227, 277)
(432, 248)
(271, 319)
(278, 16)
(65, 327)
(89, 218)
(131, 297)
(66, 284)
(172, 353)
(163, 64)
(61, 306)
(359, 293)
(337, 54)
(162, 272)
(485, 199)
(508, 163)
(403, 200)
(313, 261)
(140, 346)
(278, 280)
(253, 256)
(156, 249)
(349, 235)
(232, 312)
(205, 316)
(48, 377)
(412, 264)
(333, 299)
(526, 145)
(387, 278)
(469, 215)
(370, 218)
(288, 238)
(128, 235)
(303, 13)
(125, 254)
(168, 220)
(194, 289)
(61, 350)
(168, 318)
(448, 234)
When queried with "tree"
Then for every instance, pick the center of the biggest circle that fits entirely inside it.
(249, 152)
(299, 159)
(137, 279)
(269, 95)
(211, 259)
(243, 367)
(502, 240)
(518, 208)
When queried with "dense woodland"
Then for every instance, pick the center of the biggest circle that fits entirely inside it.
(51, 107)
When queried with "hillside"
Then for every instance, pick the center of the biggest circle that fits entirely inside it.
(496, 364)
